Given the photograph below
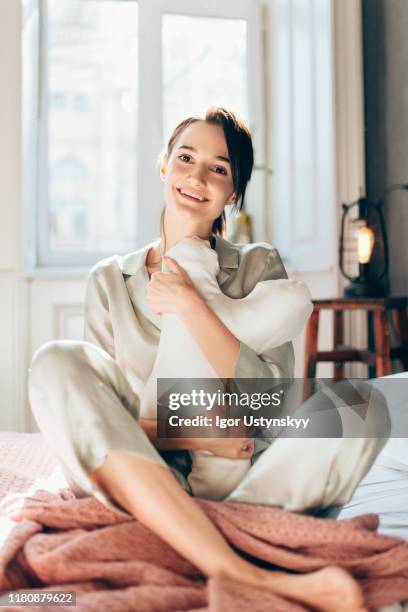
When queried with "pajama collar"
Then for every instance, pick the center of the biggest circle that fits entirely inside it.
(135, 274)
(228, 257)
(228, 254)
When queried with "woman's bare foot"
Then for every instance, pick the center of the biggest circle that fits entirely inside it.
(331, 589)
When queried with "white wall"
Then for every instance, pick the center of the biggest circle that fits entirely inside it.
(32, 310)
(12, 286)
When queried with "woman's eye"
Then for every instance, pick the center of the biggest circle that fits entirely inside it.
(220, 170)
(184, 157)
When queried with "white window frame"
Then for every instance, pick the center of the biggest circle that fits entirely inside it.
(150, 101)
(45, 257)
(149, 189)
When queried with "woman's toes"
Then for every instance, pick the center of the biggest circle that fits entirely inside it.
(338, 591)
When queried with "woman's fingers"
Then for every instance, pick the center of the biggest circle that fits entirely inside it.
(233, 448)
(247, 447)
(167, 292)
(175, 268)
(173, 265)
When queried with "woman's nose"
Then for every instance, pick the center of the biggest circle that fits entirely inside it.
(198, 175)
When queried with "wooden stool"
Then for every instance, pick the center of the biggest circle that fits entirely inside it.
(383, 354)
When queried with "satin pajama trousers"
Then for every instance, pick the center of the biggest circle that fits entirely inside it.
(85, 408)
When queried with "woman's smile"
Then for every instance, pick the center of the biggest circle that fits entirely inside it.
(191, 195)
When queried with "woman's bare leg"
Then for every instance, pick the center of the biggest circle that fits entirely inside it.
(153, 496)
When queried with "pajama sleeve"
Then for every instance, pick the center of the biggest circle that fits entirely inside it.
(98, 325)
(278, 362)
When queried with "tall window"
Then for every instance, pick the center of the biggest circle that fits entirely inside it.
(210, 72)
(89, 126)
(115, 77)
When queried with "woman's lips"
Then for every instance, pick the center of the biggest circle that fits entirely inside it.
(192, 199)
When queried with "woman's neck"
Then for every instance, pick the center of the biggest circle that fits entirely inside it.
(175, 233)
(175, 230)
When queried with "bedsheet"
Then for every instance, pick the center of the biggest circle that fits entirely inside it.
(384, 489)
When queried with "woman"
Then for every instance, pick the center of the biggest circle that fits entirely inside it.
(84, 395)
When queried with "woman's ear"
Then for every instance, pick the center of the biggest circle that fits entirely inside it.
(232, 199)
(163, 168)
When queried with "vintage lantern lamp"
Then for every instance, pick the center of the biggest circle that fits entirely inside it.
(363, 249)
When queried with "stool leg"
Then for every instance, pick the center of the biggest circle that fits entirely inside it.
(401, 322)
(382, 344)
(312, 332)
(337, 341)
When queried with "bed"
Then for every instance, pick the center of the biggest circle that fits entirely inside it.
(384, 490)
(32, 482)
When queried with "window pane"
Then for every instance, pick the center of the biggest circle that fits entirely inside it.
(204, 64)
(92, 124)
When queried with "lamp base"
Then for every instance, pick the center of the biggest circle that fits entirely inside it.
(364, 290)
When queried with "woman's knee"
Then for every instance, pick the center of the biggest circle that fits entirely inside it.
(57, 368)
(56, 360)
(56, 355)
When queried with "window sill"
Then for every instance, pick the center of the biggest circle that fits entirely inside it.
(58, 272)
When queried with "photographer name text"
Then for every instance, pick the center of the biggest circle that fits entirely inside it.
(247, 421)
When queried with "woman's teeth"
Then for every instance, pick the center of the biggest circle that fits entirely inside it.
(192, 195)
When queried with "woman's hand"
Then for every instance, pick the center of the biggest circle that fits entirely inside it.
(170, 292)
(233, 448)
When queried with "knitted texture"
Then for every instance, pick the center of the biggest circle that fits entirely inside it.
(109, 557)
(113, 562)
(27, 461)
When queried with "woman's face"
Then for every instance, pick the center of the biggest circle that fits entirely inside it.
(198, 179)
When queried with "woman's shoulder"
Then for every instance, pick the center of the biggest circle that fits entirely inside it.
(260, 249)
(260, 260)
(124, 265)
(225, 248)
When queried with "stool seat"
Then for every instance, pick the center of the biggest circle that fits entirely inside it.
(381, 357)
(374, 303)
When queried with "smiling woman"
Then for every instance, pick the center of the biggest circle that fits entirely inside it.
(208, 160)
(87, 397)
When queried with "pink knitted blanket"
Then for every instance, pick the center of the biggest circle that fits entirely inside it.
(52, 540)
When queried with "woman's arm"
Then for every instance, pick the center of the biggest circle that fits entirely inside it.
(219, 346)
(98, 330)
(97, 321)
(175, 293)
(223, 447)
(229, 357)
(149, 426)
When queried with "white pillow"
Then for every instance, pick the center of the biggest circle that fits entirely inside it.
(273, 313)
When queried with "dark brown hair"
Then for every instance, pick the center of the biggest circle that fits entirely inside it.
(240, 153)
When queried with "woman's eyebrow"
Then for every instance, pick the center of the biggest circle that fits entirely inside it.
(220, 157)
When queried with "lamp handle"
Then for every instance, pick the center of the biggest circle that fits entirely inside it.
(379, 207)
(346, 208)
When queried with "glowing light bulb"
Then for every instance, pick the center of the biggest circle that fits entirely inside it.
(365, 244)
